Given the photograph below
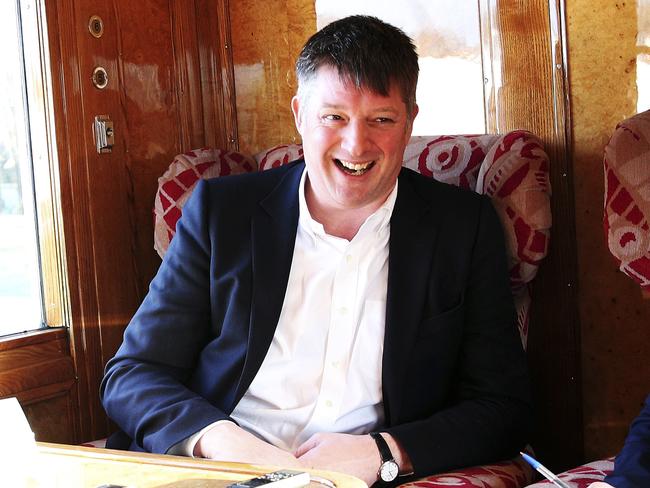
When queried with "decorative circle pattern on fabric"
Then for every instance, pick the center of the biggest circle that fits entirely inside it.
(278, 155)
(582, 476)
(451, 159)
(627, 197)
(510, 474)
(176, 185)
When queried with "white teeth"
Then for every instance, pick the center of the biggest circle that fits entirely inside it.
(355, 167)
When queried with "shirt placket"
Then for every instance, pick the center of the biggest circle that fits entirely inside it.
(343, 317)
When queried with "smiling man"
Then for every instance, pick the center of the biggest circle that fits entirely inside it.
(340, 312)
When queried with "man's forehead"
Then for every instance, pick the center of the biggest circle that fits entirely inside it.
(350, 81)
(333, 89)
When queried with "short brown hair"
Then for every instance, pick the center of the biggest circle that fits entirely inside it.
(366, 51)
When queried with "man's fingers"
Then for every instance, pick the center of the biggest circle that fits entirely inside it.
(307, 446)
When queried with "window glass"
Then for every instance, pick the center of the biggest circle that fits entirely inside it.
(447, 36)
(20, 290)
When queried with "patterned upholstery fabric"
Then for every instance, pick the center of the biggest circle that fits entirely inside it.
(278, 155)
(582, 476)
(627, 197)
(509, 474)
(176, 185)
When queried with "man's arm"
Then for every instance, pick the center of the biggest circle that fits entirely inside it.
(632, 465)
(144, 390)
(226, 441)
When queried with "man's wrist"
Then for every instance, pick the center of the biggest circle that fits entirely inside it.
(399, 454)
(194, 445)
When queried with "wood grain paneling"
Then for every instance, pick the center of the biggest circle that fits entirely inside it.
(37, 369)
(170, 88)
(605, 40)
(52, 419)
(524, 56)
(267, 38)
(95, 193)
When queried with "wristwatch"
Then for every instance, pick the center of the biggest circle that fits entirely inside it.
(389, 469)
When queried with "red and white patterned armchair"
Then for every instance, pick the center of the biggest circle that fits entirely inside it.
(511, 168)
(627, 197)
(627, 232)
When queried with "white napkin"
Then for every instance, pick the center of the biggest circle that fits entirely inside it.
(17, 445)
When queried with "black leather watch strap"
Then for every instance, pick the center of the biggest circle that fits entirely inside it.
(382, 445)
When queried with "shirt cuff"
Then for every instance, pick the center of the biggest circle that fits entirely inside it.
(186, 446)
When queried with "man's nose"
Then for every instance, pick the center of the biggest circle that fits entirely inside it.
(355, 139)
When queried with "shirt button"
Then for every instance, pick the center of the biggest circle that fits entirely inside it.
(343, 310)
(328, 403)
(348, 258)
(336, 364)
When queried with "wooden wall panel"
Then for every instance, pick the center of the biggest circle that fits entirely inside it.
(604, 41)
(52, 419)
(38, 370)
(267, 38)
(527, 45)
(96, 194)
(170, 88)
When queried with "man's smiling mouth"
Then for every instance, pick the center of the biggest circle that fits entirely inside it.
(354, 169)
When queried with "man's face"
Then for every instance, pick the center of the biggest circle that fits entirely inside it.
(353, 142)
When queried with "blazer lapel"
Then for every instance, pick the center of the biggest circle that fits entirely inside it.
(273, 235)
(412, 241)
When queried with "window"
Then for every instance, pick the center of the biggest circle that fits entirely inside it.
(446, 34)
(30, 296)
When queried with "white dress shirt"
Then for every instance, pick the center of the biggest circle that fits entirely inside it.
(322, 372)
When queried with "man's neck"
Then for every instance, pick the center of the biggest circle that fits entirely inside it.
(343, 223)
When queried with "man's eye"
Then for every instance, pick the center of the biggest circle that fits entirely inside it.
(384, 120)
(332, 117)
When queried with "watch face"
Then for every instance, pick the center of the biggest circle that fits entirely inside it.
(388, 471)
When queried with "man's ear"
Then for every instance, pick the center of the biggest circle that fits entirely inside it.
(297, 115)
(409, 128)
(416, 110)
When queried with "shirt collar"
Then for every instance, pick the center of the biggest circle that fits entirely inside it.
(375, 222)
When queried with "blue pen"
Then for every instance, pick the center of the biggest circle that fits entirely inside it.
(544, 471)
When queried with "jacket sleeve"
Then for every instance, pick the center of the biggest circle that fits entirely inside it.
(144, 388)
(632, 465)
(487, 414)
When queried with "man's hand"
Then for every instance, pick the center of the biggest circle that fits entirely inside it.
(229, 442)
(356, 455)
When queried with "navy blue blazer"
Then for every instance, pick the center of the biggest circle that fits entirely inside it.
(632, 465)
(454, 376)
